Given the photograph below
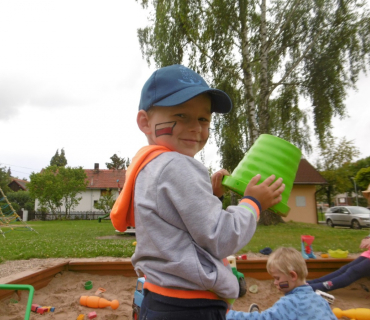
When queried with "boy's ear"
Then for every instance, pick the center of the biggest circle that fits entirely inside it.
(143, 121)
(293, 275)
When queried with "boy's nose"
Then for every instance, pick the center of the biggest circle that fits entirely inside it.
(194, 125)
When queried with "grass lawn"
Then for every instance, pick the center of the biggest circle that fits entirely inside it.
(87, 239)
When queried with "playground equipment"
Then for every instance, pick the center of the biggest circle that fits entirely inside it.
(268, 155)
(307, 249)
(97, 302)
(103, 217)
(22, 287)
(355, 314)
(9, 215)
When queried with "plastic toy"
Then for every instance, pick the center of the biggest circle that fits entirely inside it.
(50, 309)
(253, 288)
(88, 285)
(242, 257)
(238, 275)
(81, 317)
(97, 302)
(41, 310)
(138, 298)
(355, 314)
(307, 250)
(99, 291)
(328, 297)
(34, 307)
(22, 287)
(338, 253)
(268, 155)
(92, 315)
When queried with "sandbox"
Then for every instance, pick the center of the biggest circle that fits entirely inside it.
(61, 286)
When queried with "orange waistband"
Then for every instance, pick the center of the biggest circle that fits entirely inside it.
(181, 294)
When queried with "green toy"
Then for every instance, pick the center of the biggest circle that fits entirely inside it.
(22, 287)
(268, 155)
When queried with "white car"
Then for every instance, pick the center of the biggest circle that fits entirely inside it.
(348, 216)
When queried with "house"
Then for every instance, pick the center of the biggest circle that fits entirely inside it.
(99, 180)
(18, 184)
(302, 200)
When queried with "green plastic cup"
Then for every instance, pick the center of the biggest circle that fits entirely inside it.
(268, 155)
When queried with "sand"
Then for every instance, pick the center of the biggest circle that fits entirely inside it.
(66, 288)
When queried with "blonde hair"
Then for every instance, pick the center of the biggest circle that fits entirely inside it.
(286, 260)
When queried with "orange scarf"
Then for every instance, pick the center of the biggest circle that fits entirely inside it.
(122, 214)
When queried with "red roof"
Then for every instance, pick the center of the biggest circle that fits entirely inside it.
(19, 184)
(104, 179)
(307, 174)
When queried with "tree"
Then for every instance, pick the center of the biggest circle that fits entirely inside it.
(105, 202)
(59, 160)
(333, 165)
(363, 178)
(4, 179)
(57, 186)
(44, 186)
(266, 56)
(23, 199)
(118, 163)
(72, 182)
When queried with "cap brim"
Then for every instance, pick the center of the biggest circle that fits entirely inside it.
(221, 103)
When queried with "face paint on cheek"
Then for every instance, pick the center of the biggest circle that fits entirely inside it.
(284, 285)
(164, 128)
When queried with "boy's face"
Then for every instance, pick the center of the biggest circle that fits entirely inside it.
(284, 283)
(183, 128)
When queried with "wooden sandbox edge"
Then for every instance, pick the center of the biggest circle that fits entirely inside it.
(250, 268)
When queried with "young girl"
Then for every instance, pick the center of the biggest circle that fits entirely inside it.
(347, 274)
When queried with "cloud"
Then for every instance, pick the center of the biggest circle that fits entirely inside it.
(16, 93)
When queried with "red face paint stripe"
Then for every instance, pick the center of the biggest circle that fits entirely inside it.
(160, 132)
(165, 128)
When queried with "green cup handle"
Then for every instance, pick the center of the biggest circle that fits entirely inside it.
(22, 287)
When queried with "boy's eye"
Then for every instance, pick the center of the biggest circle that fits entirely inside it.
(181, 115)
(204, 119)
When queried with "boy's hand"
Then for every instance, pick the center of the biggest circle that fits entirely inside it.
(216, 179)
(267, 193)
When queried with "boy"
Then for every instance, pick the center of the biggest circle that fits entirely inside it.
(182, 233)
(300, 302)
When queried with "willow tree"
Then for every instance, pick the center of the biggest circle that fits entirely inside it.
(267, 55)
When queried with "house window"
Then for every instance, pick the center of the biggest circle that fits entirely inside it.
(104, 192)
(342, 200)
(300, 201)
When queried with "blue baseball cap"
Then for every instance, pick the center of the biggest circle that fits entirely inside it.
(176, 84)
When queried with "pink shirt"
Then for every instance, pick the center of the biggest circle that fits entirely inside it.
(366, 254)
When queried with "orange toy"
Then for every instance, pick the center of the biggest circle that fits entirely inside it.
(356, 314)
(97, 302)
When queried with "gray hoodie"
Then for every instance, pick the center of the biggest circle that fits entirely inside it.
(182, 231)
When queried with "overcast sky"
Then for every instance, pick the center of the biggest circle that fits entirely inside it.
(71, 74)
